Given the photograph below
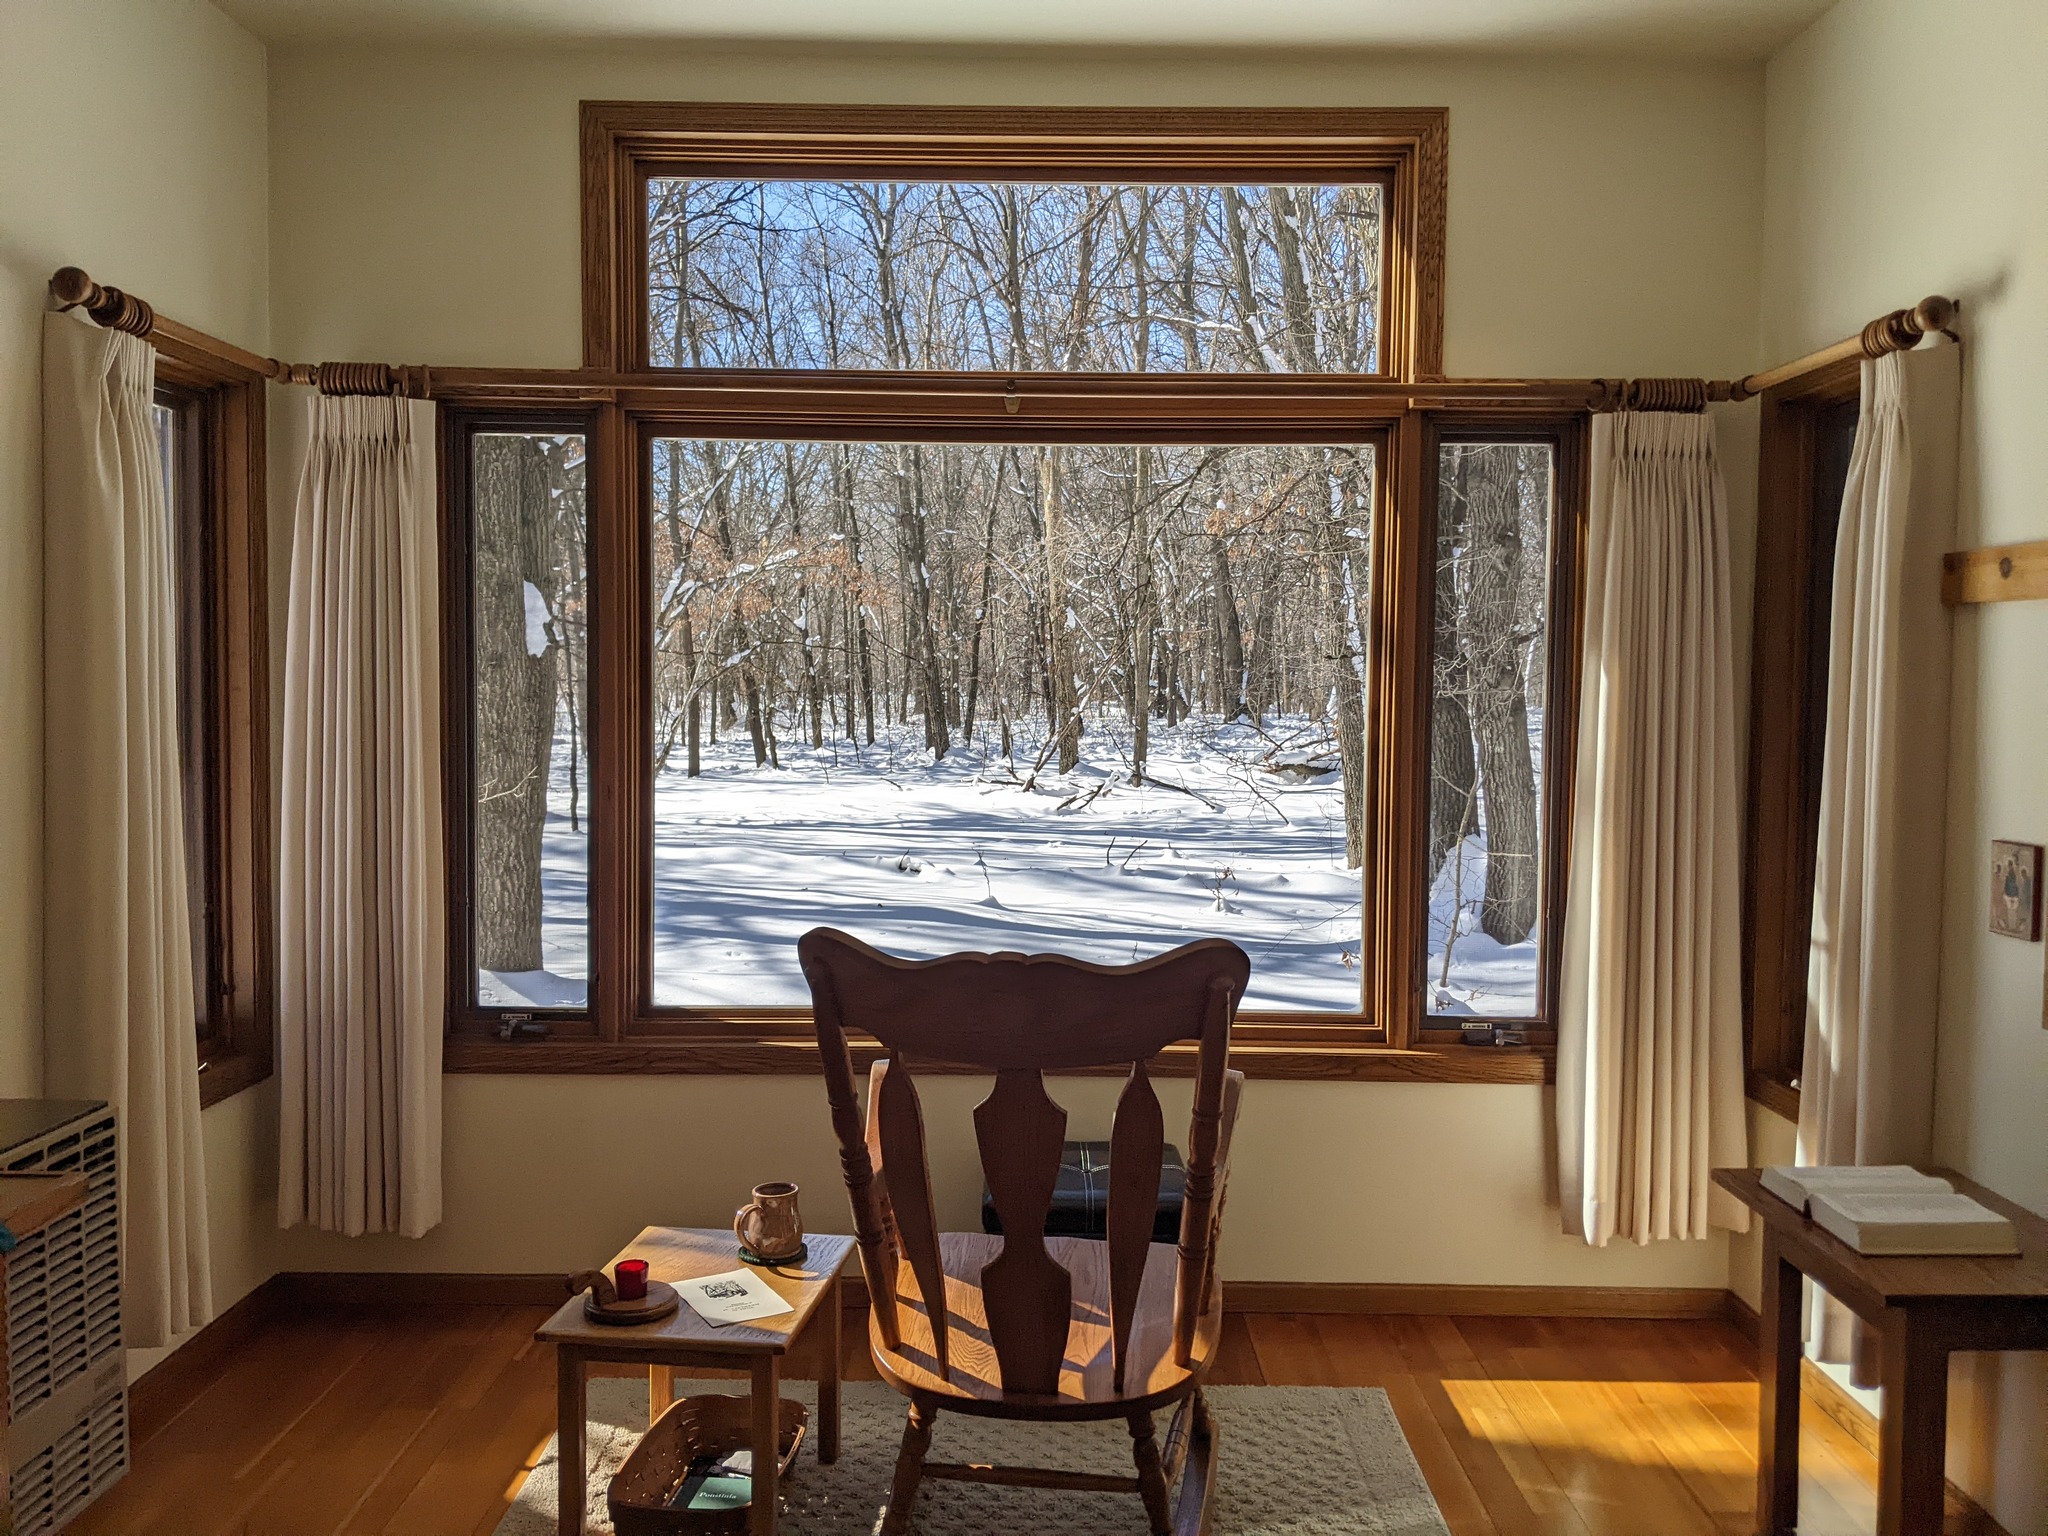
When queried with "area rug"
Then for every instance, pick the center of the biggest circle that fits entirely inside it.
(1293, 1461)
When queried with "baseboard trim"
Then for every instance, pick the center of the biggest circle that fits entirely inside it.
(424, 1288)
(1741, 1316)
(1665, 1302)
(391, 1288)
(166, 1389)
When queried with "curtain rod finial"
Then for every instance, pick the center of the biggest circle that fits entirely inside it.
(1935, 313)
(70, 287)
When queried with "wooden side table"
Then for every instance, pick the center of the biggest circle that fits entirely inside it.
(686, 1340)
(1924, 1309)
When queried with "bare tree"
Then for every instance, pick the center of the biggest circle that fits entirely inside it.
(517, 665)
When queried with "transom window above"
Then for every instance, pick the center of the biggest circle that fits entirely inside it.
(1015, 277)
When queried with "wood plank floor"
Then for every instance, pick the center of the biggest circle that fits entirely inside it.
(424, 1420)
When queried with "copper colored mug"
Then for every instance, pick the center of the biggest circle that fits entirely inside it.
(770, 1228)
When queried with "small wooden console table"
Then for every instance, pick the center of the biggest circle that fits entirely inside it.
(1923, 1308)
(686, 1340)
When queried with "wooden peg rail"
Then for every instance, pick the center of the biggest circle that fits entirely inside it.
(2004, 573)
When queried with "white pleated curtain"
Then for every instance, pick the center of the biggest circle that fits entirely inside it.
(360, 882)
(1649, 1058)
(1866, 1085)
(119, 1008)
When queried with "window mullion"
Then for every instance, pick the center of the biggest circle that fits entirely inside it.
(617, 692)
(1401, 619)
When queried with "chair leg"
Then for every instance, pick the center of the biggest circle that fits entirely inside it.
(917, 1439)
(1151, 1474)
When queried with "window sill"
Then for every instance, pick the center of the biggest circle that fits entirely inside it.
(222, 1077)
(784, 1057)
(1779, 1098)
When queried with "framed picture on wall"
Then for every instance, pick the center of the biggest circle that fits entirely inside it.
(2016, 890)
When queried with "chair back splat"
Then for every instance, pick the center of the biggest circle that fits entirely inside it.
(1019, 1017)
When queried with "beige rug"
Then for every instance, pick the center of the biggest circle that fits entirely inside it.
(1294, 1461)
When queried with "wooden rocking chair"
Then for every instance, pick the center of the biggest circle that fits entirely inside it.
(1023, 1326)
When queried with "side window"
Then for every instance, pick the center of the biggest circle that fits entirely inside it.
(1803, 470)
(210, 445)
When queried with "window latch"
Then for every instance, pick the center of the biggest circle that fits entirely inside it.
(514, 1027)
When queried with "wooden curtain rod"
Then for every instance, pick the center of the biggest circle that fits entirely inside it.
(1898, 331)
(117, 310)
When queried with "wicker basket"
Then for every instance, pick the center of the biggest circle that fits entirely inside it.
(707, 1425)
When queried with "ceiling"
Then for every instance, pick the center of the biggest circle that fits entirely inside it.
(1732, 29)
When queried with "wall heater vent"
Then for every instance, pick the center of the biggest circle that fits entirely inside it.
(67, 1375)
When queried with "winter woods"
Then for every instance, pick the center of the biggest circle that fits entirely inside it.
(1035, 608)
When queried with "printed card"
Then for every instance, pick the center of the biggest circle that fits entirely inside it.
(737, 1296)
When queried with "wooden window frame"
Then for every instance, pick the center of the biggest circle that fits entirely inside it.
(220, 409)
(620, 404)
(625, 143)
(1567, 434)
(1783, 809)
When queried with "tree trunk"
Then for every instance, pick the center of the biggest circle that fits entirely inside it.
(1453, 773)
(922, 661)
(1063, 701)
(1231, 678)
(1500, 714)
(693, 710)
(981, 602)
(1146, 618)
(1346, 644)
(516, 683)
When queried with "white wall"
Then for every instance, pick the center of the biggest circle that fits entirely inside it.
(1907, 154)
(135, 140)
(1604, 219)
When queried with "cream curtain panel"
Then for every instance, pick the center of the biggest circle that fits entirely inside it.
(359, 900)
(1649, 1058)
(119, 1008)
(1866, 1086)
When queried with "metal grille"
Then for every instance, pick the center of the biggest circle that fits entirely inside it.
(55, 1483)
(63, 1321)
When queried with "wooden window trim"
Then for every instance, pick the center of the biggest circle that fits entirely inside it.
(619, 403)
(1567, 434)
(223, 419)
(1778, 833)
(1389, 1040)
(626, 142)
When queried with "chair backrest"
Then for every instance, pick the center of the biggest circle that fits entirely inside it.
(1021, 1016)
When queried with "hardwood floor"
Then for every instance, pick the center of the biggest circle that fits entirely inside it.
(423, 1421)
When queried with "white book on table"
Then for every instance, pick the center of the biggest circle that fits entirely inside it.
(1797, 1186)
(1891, 1222)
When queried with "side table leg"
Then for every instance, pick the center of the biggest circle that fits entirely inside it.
(569, 1415)
(1777, 1428)
(661, 1390)
(1913, 1431)
(828, 1378)
(767, 1420)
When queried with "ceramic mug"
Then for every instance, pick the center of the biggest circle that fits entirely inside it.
(770, 1228)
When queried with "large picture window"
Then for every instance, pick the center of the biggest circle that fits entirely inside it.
(997, 531)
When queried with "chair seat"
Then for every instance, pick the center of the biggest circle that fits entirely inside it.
(1087, 1380)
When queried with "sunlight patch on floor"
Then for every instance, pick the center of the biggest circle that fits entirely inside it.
(1684, 1426)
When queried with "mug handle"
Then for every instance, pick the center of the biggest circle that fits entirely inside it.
(739, 1222)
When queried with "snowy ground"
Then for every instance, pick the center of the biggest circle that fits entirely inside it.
(921, 858)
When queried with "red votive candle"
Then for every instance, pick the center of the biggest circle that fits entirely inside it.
(630, 1277)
